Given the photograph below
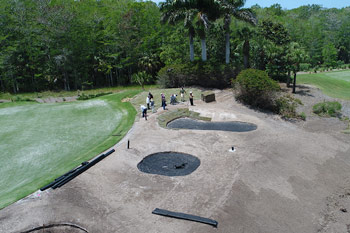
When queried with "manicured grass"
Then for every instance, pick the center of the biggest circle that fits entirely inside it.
(47, 94)
(39, 142)
(334, 84)
(168, 116)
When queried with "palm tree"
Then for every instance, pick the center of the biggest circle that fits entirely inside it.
(207, 11)
(234, 8)
(295, 56)
(244, 35)
(198, 12)
(178, 10)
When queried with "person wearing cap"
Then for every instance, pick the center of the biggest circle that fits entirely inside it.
(144, 111)
(163, 100)
(182, 94)
(148, 102)
(152, 105)
(191, 98)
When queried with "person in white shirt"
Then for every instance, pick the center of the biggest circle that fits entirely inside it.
(144, 111)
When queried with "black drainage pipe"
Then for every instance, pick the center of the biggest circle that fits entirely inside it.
(184, 216)
(60, 181)
(81, 170)
(62, 177)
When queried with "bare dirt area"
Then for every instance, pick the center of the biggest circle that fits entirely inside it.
(282, 177)
(56, 100)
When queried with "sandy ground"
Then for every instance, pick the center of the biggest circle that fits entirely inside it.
(283, 177)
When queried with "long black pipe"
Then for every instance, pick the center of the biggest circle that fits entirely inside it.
(184, 216)
(70, 177)
(61, 177)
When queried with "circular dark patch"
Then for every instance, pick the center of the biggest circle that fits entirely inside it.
(233, 126)
(169, 164)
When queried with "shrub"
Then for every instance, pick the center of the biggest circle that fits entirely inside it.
(302, 116)
(141, 78)
(21, 99)
(86, 97)
(286, 107)
(305, 66)
(255, 88)
(196, 73)
(331, 109)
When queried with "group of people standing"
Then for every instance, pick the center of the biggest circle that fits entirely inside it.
(150, 101)
(182, 94)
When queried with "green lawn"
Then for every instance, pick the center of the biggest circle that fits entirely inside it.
(46, 94)
(39, 142)
(335, 84)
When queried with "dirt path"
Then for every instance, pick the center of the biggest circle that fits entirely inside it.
(283, 177)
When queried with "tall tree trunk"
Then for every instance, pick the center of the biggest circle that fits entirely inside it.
(2, 84)
(204, 49)
(66, 82)
(288, 79)
(117, 76)
(227, 22)
(111, 76)
(107, 80)
(227, 52)
(14, 85)
(75, 80)
(33, 82)
(246, 52)
(294, 81)
(191, 47)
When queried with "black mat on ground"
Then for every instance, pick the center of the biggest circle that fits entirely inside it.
(169, 164)
(189, 217)
(233, 126)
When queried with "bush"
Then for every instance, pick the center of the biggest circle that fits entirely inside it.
(305, 66)
(331, 109)
(21, 99)
(196, 73)
(141, 78)
(286, 107)
(302, 116)
(86, 97)
(256, 88)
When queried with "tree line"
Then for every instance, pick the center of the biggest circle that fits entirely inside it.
(70, 44)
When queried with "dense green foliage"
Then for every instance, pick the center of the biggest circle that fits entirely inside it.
(256, 88)
(84, 96)
(196, 73)
(76, 44)
(40, 142)
(68, 44)
(330, 109)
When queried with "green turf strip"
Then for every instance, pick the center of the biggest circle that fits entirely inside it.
(39, 142)
(333, 84)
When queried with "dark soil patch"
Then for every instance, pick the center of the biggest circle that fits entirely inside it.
(233, 126)
(169, 164)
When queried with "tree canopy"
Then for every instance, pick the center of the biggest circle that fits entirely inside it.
(69, 44)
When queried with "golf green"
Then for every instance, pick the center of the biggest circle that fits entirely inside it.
(39, 142)
(335, 84)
